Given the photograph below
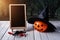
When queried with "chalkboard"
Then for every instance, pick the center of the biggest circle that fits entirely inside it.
(17, 15)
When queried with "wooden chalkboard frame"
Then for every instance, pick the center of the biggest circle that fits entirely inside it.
(10, 15)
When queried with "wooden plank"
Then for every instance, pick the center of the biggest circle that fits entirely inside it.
(37, 35)
(30, 35)
(40, 35)
(11, 37)
(43, 36)
(20, 38)
(4, 30)
(54, 36)
(5, 37)
(1, 26)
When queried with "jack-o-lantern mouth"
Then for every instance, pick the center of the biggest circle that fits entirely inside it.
(41, 30)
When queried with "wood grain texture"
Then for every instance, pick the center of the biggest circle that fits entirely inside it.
(31, 35)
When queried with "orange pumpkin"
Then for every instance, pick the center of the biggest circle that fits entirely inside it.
(40, 26)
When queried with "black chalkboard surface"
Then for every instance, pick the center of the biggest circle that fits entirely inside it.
(17, 15)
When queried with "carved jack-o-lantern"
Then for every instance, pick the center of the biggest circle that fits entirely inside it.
(40, 26)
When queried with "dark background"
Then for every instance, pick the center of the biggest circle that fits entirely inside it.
(33, 8)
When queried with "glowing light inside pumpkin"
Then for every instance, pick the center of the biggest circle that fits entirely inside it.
(37, 23)
(40, 26)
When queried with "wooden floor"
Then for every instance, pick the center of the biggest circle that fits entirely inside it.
(31, 35)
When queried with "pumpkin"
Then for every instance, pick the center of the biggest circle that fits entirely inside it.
(40, 26)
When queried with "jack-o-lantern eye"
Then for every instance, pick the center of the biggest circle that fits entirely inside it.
(35, 24)
(40, 26)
